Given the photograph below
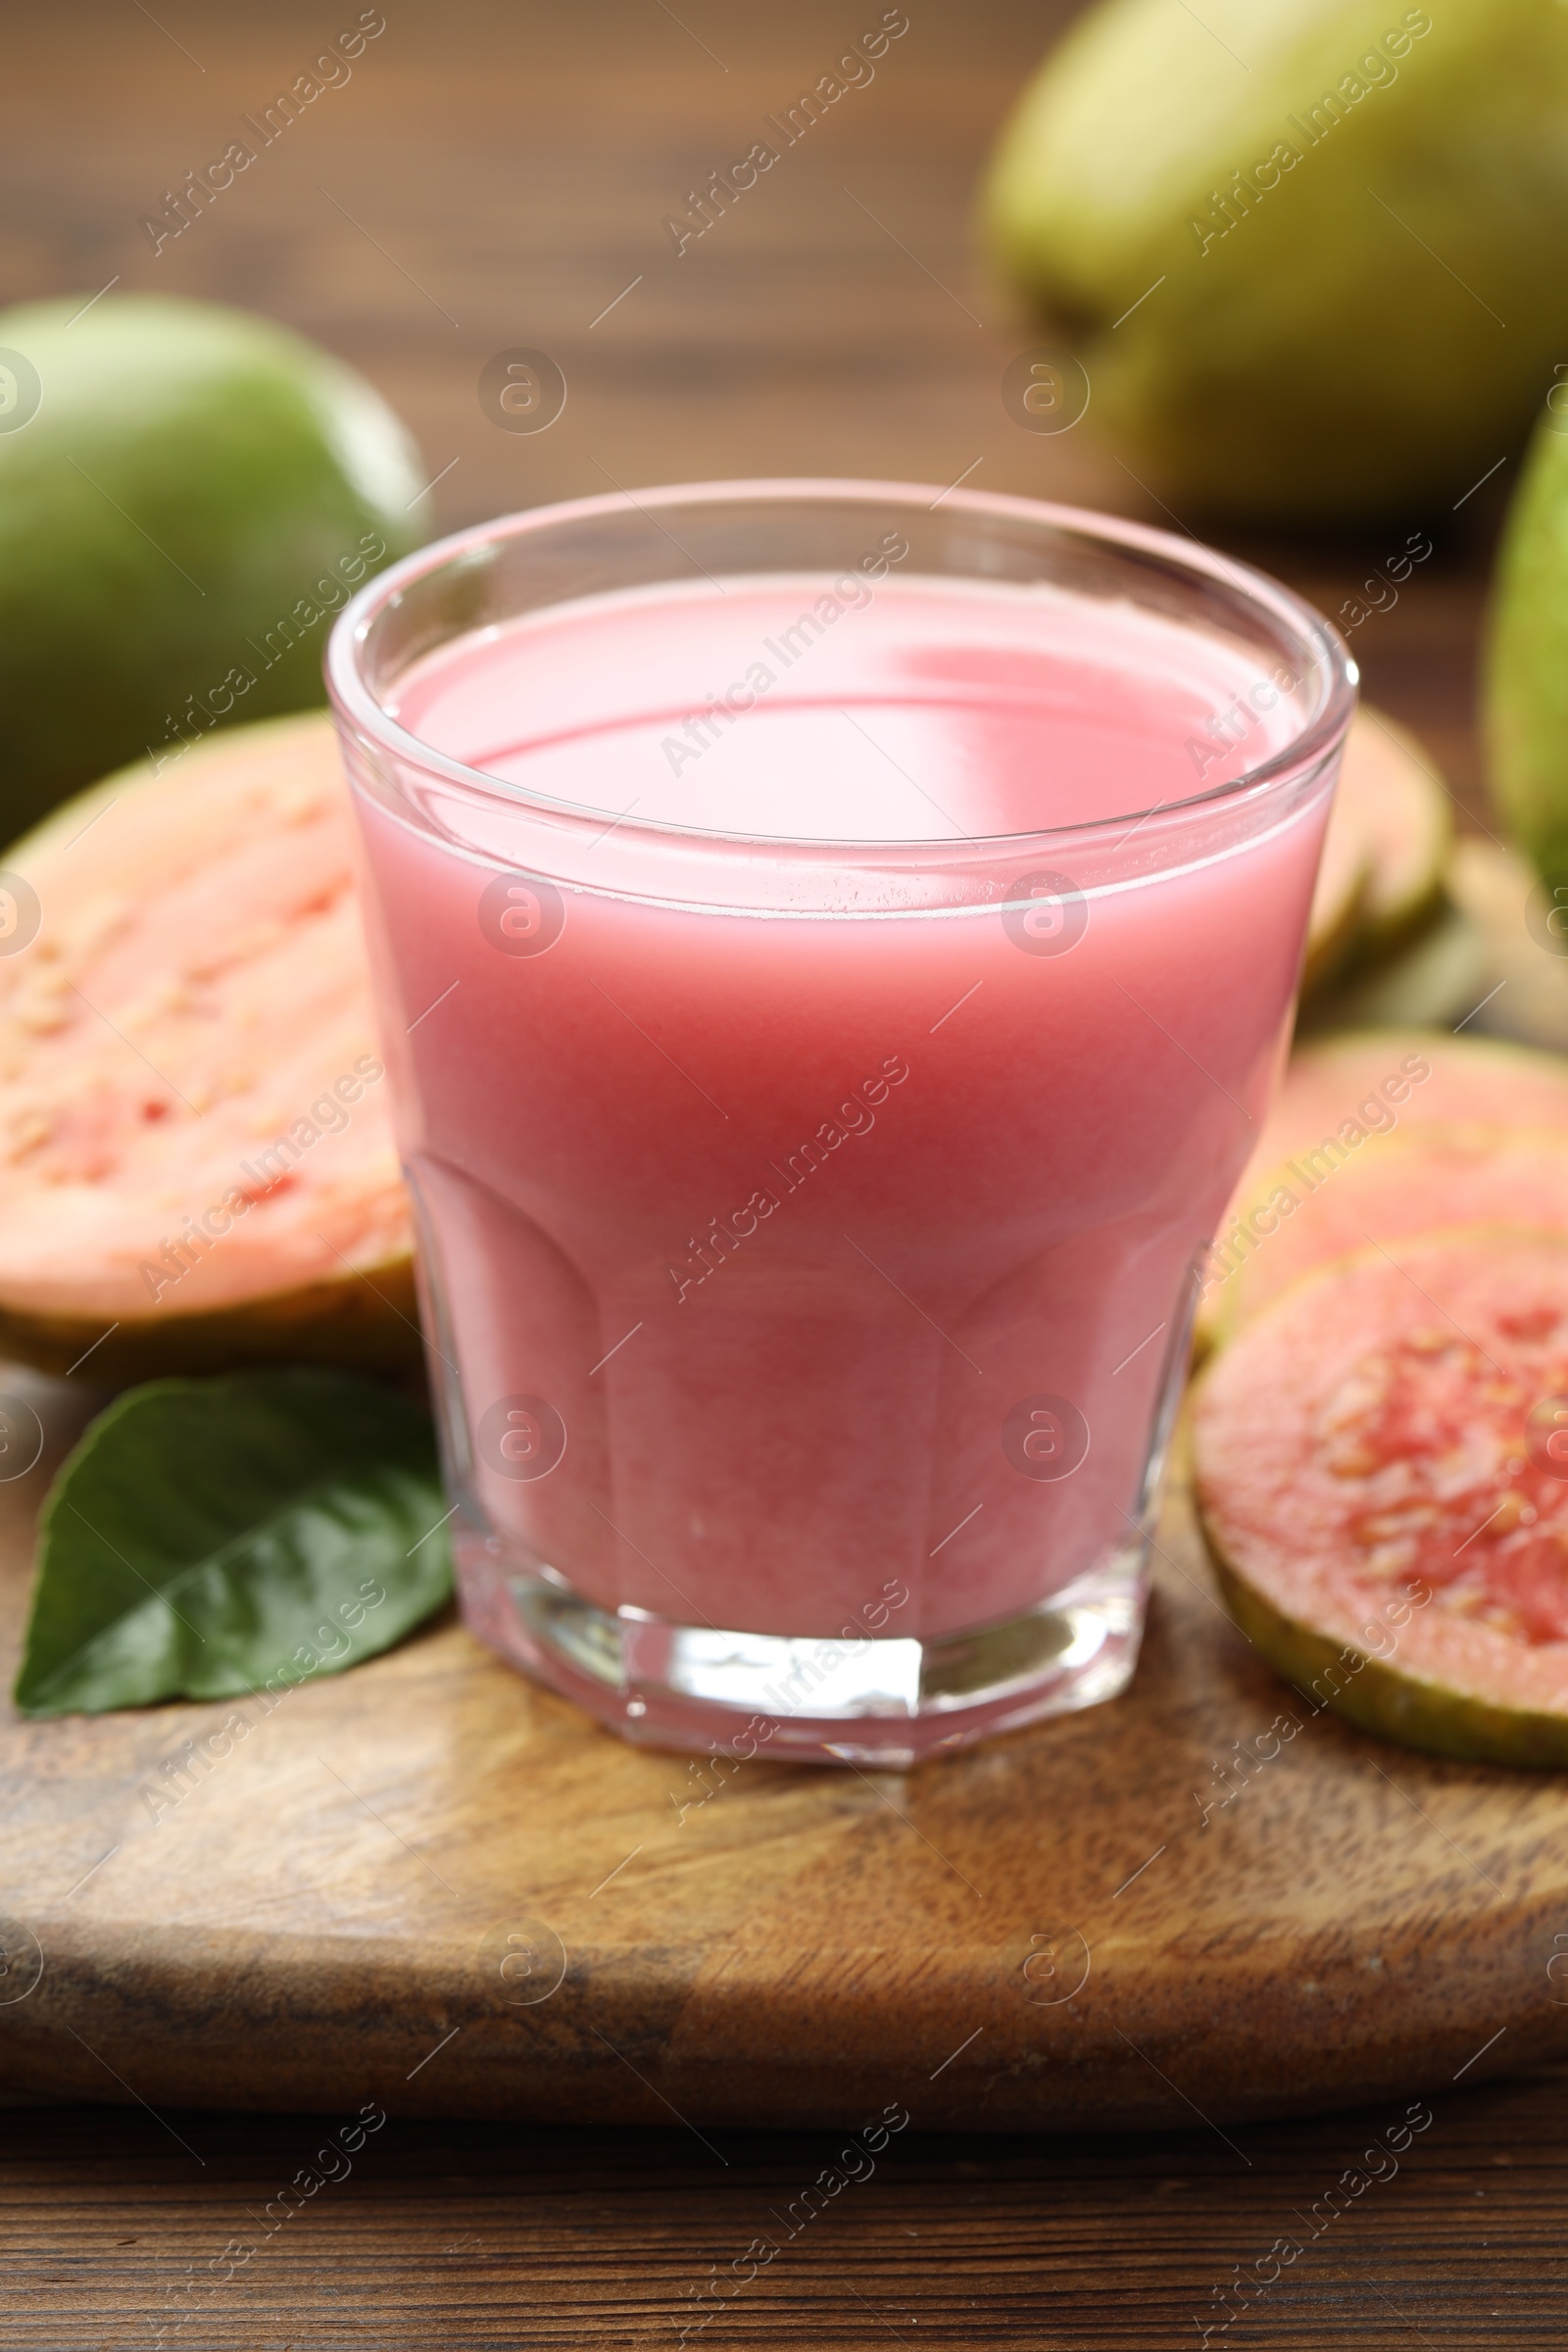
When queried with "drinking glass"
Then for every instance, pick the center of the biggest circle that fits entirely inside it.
(834, 944)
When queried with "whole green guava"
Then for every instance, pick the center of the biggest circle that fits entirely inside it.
(1308, 251)
(187, 494)
(1526, 693)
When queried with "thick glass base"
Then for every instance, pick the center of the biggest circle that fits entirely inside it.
(809, 1698)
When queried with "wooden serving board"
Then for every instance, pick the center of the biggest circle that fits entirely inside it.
(430, 1884)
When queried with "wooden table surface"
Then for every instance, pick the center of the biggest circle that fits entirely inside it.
(495, 176)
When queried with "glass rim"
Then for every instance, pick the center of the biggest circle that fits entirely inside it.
(1192, 558)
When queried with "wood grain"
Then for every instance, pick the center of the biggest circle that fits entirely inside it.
(429, 1883)
(529, 2240)
(518, 161)
(506, 172)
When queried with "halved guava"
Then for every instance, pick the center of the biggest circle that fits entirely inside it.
(1383, 853)
(1391, 794)
(1381, 1465)
(1342, 872)
(1328, 1203)
(1431, 980)
(187, 493)
(196, 1162)
(1520, 926)
(1347, 1090)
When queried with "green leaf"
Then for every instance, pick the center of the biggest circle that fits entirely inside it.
(212, 1537)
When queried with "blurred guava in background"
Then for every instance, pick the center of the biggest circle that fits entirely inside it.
(1309, 252)
(1527, 669)
(187, 494)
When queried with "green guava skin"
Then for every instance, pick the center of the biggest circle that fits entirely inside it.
(188, 476)
(1320, 360)
(1526, 696)
(1408, 1709)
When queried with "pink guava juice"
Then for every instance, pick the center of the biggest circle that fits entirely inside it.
(822, 1046)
